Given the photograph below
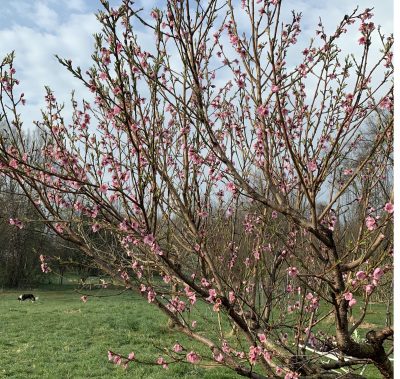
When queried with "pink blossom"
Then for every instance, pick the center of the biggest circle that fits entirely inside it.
(256, 254)
(116, 110)
(84, 298)
(293, 271)
(110, 355)
(117, 90)
(177, 348)
(194, 324)
(267, 355)
(366, 15)
(193, 357)
(352, 302)
(389, 208)
(262, 337)
(234, 39)
(218, 357)
(348, 171)
(95, 227)
(274, 88)
(118, 47)
(124, 275)
(291, 375)
(369, 288)
(367, 27)
(59, 228)
(362, 40)
(312, 166)
(161, 361)
(274, 214)
(149, 239)
(386, 103)
(377, 274)
(103, 188)
(131, 356)
(262, 111)
(16, 223)
(202, 213)
(231, 187)
(225, 347)
(134, 127)
(217, 305)
(361, 275)
(314, 303)
(191, 295)
(348, 296)
(370, 222)
(302, 69)
(45, 268)
(213, 294)
(154, 14)
(388, 59)
(232, 297)
(151, 295)
(309, 296)
(254, 352)
(13, 163)
(123, 226)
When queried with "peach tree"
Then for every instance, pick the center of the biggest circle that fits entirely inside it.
(223, 170)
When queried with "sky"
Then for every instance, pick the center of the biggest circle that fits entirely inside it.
(38, 29)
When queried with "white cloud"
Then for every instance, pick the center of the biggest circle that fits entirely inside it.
(44, 17)
(73, 5)
(36, 64)
(76, 5)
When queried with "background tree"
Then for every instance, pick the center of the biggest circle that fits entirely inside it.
(18, 254)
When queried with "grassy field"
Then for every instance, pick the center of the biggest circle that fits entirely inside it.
(61, 337)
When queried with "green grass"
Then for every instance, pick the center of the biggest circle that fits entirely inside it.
(61, 337)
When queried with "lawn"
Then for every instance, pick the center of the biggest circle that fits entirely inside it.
(61, 337)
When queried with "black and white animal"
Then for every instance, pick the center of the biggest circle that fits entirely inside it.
(27, 296)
